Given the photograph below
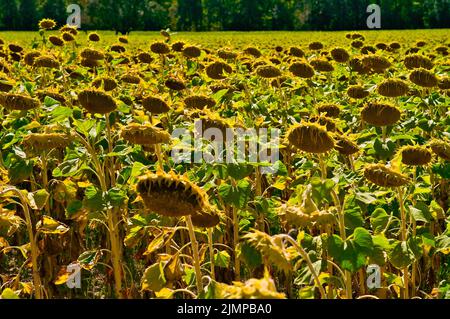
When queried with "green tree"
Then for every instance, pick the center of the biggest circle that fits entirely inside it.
(9, 15)
(56, 10)
(190, 15)
(28, 15)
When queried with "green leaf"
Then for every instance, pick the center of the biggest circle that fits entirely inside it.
(420, 212)
(94, 199)
(401, 256)
(366, 198)
(73, 207)
(379, 220)
(8, 293)
(38, 199)
(222, 259)
(117, 197)
(237, 196)
(89, 259)
(250, 255)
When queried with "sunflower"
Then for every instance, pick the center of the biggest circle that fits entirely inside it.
(199, 102)
(301, 69)
(393, 88)
(18, 102)
(380, 114)
(47, 24)
(144, 134)
(415, 155)
(155, 105)
(95, 101)
(311, 138)
(383, 176)
(46, 141)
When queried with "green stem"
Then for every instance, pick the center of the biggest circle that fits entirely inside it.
(194, 243)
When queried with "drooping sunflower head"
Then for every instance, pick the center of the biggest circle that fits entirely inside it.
(175, 84)
(345, 145)
(130, 78)
(94, 37)
(46, 61)
(96, 101)
(301, 69)
(340, 55)
(424, 78)
(144, 134)
(56, 41)
(383, 176)
(380, 114)
(218, 70)
(155, 105)
(178, 46)
(92, 54)
(357, 92)
(20, 102)
(145, 57)
(322, 65)
(393, 88)
(172, 195)
(315, 46)
(415, 61)
(192, 52)
(329, 109)
(311, 138)
(199, 102)
(376, 62)
(30, 57)
(415, 155)
(268, 71)
(441, 148)
(160, 48)
(106, 83)
(68, 36)
(253, 52)
(46, 141)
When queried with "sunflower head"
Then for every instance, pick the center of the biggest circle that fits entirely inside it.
(301, 69)
(18, 102)
(47, 24)
(383, 176)
(393, 88)
(106, 83)
(340, 55)
(172, 195)
(415, 155)
(415, 61)
(96, 101)
(46, 141)
(144, 134)
(380, 114)
(199, 102)
(218, 70)
(56, 41)
(92, 54)
(155, 105)
(310, 138)
(192, 52)
(345, 145)
(441, 148)
(46, 61)
(175, 84)
(268, 71)
(94, 37)
(424, 78)
(329, 109)
(357, 92)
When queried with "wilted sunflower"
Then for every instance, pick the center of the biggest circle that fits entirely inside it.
(357, 66)
(18, 102)
(415, 155)
(311, 138)
(383, 176)
(178, 46)
(4, 67)
(130, 78)
(322, 65)
(15, 48)
(6, 84)
(357, 92)
(160, 48)
(218, 70)
(192, 52)
(345, 146)
(117, 48)
(47, 24)
(172, 195)
(395, 45)
(423, 77)
(108, 84)
(393, 88)
(416, 61)
(315, 46)
(268, 71)
(46, 61)
(380, 114)
(302, 69)
(144, 134)
(227, 54)
(54, 95)
(155, 105)
(328, 122)
(381, 46)
(357, 44)
(375, 62)
(340, 55)
(253, 52)
(68, 37)
(330, 109)
(123, 40)
(444, 83)
(441, 149)
(57, 41)
(297, 52)
(46, 141)
(94, 37)
(199, 102)
(88, 63)
(175, 84)
(69, 29)
(92, 54)
(95, 101)
(145, 57)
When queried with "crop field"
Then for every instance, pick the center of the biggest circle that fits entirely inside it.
(299, 165)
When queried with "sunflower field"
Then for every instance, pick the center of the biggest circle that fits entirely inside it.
(357, 207)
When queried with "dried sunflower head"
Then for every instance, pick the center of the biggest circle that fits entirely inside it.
(268, 71)
(155, 105)
(329, 109)
(207, 219)
(46, 141)
(301, 69)
(175, 84)
(375, 62)
(106, 83)
(311, 138)
(56, 41)
(117, 48)
(144, 134)
(178, 46)
(18, 102)
(218, 70)
(94, 37)
(380, 114)
(345, 145)
(315, 46)
(145, 57)
(172, 195)
(444, 83)
(340, 55)
(253, 52)
(68, 37)
(383, 176)
(415, 61)
(424, 78)
(95, 101)
(46, 61)
(294, 216)
(160, 48)
(192, 52)
(227, 54)
(357, 92)
(393, 88)
(415, 155)
(30, 57)
(322, 65)
(130, 78)
(199, 102)
(441, 149)
(297, 52)
(92, 54)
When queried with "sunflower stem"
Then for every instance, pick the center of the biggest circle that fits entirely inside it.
(194, 243)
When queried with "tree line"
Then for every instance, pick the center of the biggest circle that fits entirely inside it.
(215, 15)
